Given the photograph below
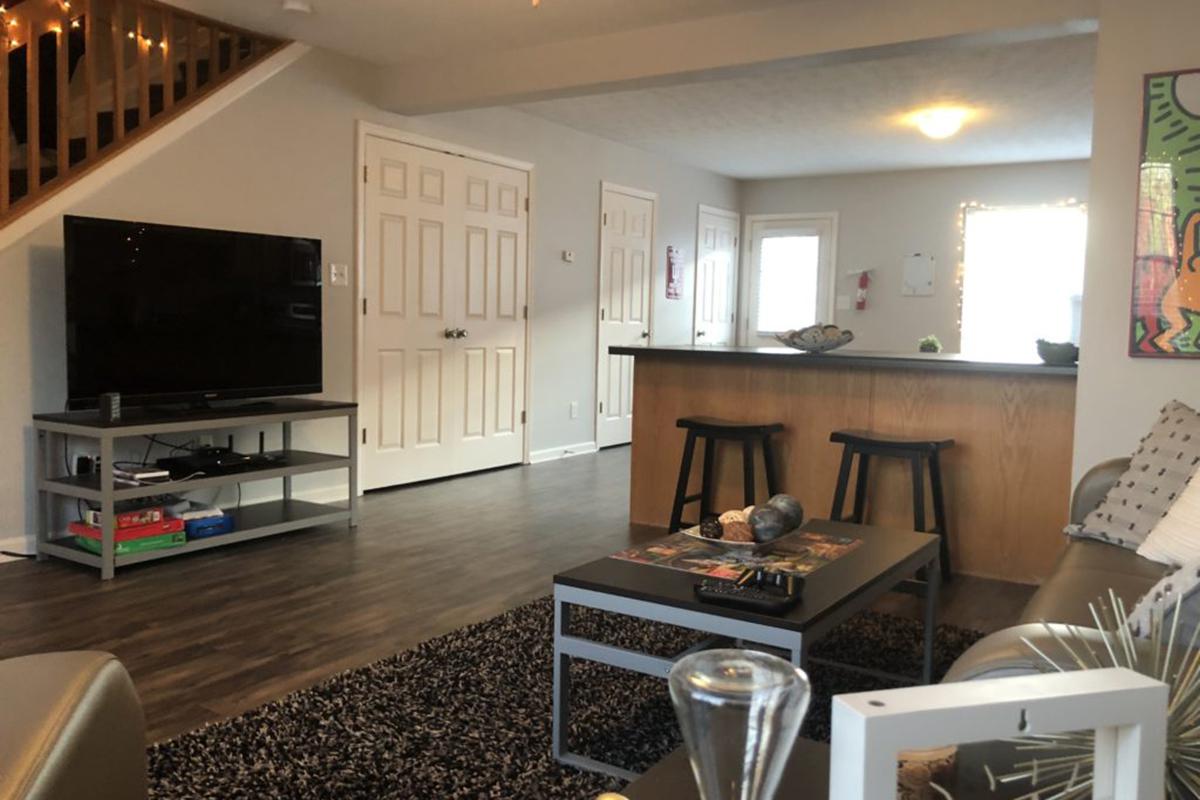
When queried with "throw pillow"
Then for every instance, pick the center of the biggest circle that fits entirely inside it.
(1164, 596)
(1160, 468)
(1176, 538)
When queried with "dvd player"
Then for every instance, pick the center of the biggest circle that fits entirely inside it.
(217, 461)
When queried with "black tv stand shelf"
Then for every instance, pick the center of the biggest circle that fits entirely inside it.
(251, 521)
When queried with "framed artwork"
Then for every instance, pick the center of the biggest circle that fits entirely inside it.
(1165, 318)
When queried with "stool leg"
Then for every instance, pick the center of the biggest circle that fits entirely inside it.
(860, 488)
(769, 464)
(939, 512)
(918, 487)
(685, 472)
(839, 492)
(748, 471)
(706, 483)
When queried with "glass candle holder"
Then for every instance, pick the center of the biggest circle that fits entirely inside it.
(740, 711)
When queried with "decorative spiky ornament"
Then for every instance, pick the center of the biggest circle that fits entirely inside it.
(1068, 773)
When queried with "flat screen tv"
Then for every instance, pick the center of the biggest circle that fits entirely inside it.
(166, 314)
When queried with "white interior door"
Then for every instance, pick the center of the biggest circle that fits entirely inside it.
(626, 267)
(792, 275)
(443, 352)
(715, 314)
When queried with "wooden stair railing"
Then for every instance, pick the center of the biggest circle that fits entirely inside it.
(84, 79)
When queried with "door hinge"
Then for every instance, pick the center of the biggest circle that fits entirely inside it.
(364, 306)
(602, 315)
(365, 173)
(735, 242)
(601, 406)
(604, 218)
(522, 417)
(526, 203)
(364, 436)
(525, 312)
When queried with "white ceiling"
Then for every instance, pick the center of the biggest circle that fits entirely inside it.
(396, 31)
(1035, 101)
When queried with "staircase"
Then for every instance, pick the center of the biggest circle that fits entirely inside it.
(86, 78)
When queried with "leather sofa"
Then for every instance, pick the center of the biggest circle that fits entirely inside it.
(71, 727)
(1085, 572)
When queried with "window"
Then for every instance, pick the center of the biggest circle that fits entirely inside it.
(792, 275)
(1022, 279)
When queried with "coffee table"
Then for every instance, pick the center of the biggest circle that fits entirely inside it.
(832, 594)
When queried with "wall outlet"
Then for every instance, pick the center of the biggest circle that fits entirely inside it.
(568, 256)
(574, 409)
(339, 274)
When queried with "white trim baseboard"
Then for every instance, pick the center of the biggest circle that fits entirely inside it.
(16, 544)
(168, 134)
(566, 451)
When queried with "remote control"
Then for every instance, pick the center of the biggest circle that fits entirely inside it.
(755, 590)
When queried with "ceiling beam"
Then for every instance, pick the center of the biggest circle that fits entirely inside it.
(821, 31)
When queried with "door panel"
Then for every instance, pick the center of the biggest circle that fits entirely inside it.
(626, 247)
(445, 250)
(716, 277)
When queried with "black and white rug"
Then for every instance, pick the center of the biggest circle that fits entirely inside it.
(467, 715)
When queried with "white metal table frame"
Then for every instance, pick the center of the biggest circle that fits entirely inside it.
(793, 642)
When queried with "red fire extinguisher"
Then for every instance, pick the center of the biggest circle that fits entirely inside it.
(864, 280)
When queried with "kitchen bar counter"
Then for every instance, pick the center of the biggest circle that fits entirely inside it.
(848, 358)
(1007, 477)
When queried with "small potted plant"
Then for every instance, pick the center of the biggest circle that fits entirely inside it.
(929, 344)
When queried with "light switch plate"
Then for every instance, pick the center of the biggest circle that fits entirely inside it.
(568, 256)
(339, 274)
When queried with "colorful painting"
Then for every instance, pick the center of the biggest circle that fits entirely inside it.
(798, 553)
(1166, 274)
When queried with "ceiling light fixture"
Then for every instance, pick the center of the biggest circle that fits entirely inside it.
(298, 6)
(940, 122)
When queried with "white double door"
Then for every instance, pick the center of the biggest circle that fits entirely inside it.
(443, 351)
(715, 314)
(626, 268)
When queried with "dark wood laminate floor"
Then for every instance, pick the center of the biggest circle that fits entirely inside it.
(213, 634)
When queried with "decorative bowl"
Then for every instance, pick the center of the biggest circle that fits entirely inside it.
(816, 338)
(1057, 354)
(752, 548)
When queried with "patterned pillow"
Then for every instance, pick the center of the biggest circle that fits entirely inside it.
(1160, 468)
(1164, 596)
(1176, 538)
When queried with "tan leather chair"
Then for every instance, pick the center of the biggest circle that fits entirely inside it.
(71, 727)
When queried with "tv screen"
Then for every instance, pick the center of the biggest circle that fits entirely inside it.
(166, 314)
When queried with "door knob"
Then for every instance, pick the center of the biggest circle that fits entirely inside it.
(450, 333)
(645, 334)
(699, 334)
(460, 333)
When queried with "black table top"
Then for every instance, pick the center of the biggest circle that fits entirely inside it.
(153, 415)
(806, 774)
(885, 557)
(786, 356)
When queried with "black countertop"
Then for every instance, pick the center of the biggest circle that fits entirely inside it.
(955, 362)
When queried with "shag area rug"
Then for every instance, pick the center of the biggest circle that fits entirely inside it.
(467, 715)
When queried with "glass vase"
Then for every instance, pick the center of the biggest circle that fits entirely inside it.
(740, 711)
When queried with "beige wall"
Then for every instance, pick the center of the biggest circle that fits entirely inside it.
(1119, 395)
(883, 217)
(281, 160)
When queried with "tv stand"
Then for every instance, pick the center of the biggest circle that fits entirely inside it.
(252, 521)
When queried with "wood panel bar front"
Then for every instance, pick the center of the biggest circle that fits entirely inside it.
(1008, 477)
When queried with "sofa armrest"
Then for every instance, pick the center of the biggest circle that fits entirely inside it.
(1094, 484)
(71, 726)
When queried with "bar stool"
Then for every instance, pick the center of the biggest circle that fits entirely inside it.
(918, 452)
(711, 431)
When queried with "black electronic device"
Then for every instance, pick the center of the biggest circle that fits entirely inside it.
(168, 314)
(217, 461)
(755, 590)
(110, 407)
